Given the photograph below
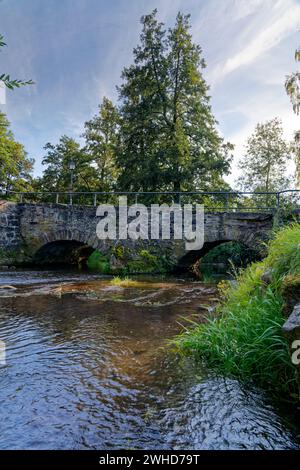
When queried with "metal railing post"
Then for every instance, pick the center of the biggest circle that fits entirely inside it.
(227, 202)
(230, 200)
(278, 201)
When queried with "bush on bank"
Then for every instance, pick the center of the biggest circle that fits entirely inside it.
(245, 339)
(123, 261)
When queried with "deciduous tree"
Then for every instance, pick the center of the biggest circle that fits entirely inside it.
(15, 165)
(292, 86)
(102, 136)
(264, 165)
(57, 174)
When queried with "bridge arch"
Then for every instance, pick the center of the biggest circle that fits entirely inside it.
(194, 257)
(26, 227)
(65, 247)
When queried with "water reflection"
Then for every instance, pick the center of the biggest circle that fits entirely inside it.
(89, 369)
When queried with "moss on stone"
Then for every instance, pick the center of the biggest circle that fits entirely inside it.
(148, 262)
(119, 251)
(125, 261)
(11, 257)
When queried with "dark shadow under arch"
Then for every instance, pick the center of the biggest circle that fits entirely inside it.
(191, 257)
(63, 253)
(194, 258)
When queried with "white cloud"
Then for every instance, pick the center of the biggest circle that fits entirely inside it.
(256, 112)
(268, 26)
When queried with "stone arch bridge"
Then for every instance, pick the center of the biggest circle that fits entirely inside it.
(27, 228)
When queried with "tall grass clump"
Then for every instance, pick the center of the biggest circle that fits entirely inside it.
(124, 282)
(244, 339)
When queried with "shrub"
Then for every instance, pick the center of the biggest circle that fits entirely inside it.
(98, 262)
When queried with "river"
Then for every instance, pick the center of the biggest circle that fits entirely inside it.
(88, 367)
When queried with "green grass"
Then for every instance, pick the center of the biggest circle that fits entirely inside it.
(124, 282)
(245, 339)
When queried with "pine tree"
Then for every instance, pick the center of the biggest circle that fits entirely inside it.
(169, 139)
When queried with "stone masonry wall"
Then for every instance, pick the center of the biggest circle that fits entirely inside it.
(24, 228)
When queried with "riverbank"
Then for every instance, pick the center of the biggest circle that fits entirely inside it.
(245, 339)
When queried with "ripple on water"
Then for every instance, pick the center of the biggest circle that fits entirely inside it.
(93, 374)
(220, 414)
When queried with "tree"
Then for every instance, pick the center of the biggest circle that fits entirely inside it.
(296, 151)
(15, 166)
(57, 175)
(102, 135)
(292, 86)
(264, 164)
(168, 139)
(5, 78)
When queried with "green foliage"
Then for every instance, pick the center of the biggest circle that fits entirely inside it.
(245, 340)
(95, 168)
(265, 163)
(231, 254)
(5, 78)
(124, 282)
(168, 134)
(10, 257)
(148, 257)
(102, 137)
(98, 262)
(148, 263)
(296, 152)
(284, 253)
(162, 137)
(119, 251)
(292, 86)
(57, 175)
(15, 166)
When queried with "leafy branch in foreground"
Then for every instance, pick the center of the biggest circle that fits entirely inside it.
(5, 78)
(292, 86)
(11, 84)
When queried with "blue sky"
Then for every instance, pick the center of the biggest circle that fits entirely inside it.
(75, 50)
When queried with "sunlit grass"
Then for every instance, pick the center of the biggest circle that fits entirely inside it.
(124, 282)
(245, 339)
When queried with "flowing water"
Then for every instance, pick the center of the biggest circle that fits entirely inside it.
(87, 367)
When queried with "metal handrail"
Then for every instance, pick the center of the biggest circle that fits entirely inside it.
(179, 194)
